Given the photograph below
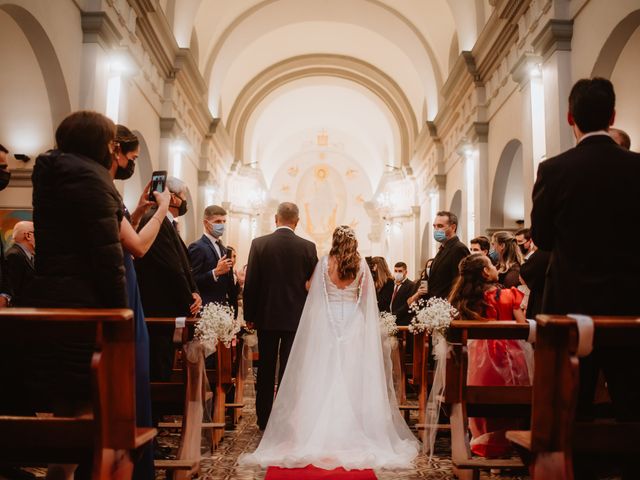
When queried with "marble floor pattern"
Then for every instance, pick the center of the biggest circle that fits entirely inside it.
(222, 463)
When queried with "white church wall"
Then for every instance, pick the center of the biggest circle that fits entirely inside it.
(625, 81)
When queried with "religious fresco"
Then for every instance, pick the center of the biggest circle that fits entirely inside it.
(322, 197)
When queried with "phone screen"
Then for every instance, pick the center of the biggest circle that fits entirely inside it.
(158, 181)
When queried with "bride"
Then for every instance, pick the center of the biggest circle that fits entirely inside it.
(336, 406)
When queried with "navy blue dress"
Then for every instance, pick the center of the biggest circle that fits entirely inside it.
(143, 469)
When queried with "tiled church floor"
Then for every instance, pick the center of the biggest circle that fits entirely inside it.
(222, 464)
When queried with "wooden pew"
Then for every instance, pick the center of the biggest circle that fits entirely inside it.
(174, 395)
(464, 400)
(419, 372)
(555, 434)
(108, 436)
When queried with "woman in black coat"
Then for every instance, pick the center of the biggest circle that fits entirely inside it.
(78, 261)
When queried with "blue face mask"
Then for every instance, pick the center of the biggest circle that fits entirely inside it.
(439, 235)
(494, 255)
(217, 229)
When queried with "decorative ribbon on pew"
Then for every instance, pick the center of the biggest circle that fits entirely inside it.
(441, 350)
(177, 333)
(585, 333)
(198, 405)
(532, 331)
(396, 364)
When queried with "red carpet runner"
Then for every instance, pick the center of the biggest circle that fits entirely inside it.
(313, 473)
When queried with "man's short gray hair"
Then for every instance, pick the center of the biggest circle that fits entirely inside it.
(175, 185)
(288, 212)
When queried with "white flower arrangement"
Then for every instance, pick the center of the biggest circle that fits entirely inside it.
(432, 316)
(388, 324)
(217, 324)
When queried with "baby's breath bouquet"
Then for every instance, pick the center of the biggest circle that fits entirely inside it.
(388, 324)
(216, 324)
(432, 316)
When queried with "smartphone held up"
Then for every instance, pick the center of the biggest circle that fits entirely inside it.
(158, 183)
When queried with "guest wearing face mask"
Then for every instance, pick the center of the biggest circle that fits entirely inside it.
(211, 263)
(383, 281)
(402, 289)
(444, 269)
(525, 243)
(166, 284)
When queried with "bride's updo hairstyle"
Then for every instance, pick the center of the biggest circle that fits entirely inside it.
(345, 250)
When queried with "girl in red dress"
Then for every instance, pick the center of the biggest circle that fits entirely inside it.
(477, 296)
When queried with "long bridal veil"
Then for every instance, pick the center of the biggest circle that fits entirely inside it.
(336, 405)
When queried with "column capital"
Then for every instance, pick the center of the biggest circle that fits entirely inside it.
(204, 178)
(440, 181)
(98, 28)
(169, 127)
(555, 36)
(479, 132)
(521, 71)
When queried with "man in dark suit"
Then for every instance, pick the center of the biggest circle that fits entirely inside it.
(166, 284)
(19, 261)
(280, 265)
(594, 184)
(210, 264)
(444, 269)
(402, 290)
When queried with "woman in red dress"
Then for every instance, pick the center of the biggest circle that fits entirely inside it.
(477, 295)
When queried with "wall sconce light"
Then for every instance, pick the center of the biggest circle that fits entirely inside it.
(22, 157)
(535, 71)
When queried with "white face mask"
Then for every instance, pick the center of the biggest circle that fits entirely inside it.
(398, 276)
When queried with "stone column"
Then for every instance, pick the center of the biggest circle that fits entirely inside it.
(528, 74)
(553, 44)
(99, 37)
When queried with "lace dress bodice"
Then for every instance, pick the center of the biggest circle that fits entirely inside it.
(342, 302)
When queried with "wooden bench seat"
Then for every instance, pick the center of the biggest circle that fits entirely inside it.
(105, 437)
(555, 434)
(463, 401)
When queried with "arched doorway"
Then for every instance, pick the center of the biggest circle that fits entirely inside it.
(27, 52)
(618, 61)
(507, 199)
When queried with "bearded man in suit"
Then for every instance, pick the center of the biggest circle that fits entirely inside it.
(444, 269)
(279, 267)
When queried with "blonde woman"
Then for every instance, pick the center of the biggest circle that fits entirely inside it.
(336, 406)
(509, 258)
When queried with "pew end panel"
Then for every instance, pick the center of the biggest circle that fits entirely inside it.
(104, 432)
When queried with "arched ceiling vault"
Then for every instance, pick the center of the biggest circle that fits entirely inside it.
(373, 15)
(390, 97)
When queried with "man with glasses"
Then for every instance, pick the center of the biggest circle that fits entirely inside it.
(20, 261)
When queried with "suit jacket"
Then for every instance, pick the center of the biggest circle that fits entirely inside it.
(20, 271)
(444, 269)
(534, 272)
(589, 194)
(164, 274)
(204, 258)
(278, 268)
(398, 303)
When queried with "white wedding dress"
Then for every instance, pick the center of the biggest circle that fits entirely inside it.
(336, 406)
